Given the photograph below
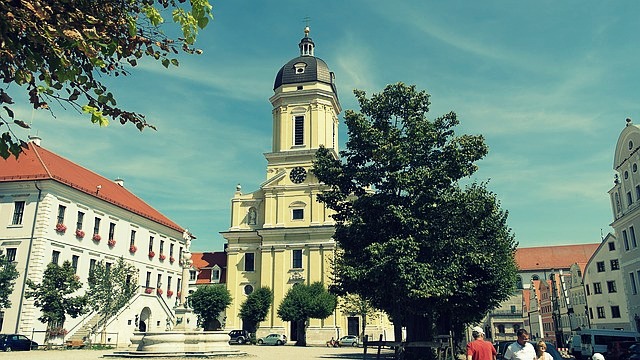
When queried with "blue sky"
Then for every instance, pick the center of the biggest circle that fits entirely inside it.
(549, 84)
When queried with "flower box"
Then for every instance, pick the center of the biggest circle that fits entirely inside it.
(162, 257)
(151, 254)
(96, 237)
(172, 259)
(79, 233)
(111, 243)
(148, 290)
(58, 331)
(133, 249)
(159, 291)
(61, 228)
(169, 293)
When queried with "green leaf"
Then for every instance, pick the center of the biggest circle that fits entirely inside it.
(165, 63)
(9, 111)
(22, 124)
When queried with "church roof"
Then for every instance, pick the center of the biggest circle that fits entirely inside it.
(37, 163)
(553, 257)
(315, 70)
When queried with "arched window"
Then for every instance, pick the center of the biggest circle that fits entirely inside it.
(519, 282)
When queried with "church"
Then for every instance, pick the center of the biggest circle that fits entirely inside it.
(280, 234)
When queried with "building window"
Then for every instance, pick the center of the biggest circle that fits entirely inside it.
(150, 243)
(192, 275)
(600, 310)
(55, 256)
(170, 250)
(298, 130)
(637, 192)
(500, 329)
(600, 266)
(161, 246)
(615, 264)
(92, 265)
(249, 262)
(147, 282)
(629, 199)
(611, 286)
(80, 220)
(588, 292)
(591, 313)
(61, 210)
(179, 284)
(215, 274)
(168, 283)
(632, 232)
(18, 212)
(107, 267)
(297, 258)
(112, 231)
(297, 214)
(74, 262)
(159, 281)
(612, 246)
(96, 226)
(615, 311)
(597, 289)
(11, 254)
(632, 281)
(625, 239)
(132, 240)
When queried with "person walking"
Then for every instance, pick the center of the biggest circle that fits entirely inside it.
(541, 351)
(479, 348)
(521, 349)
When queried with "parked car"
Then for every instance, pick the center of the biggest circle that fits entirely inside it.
(11, 342)
(501, 348)
(633, 353)
(239, 337)
(273, 339)
(349, 340)
(616, 350)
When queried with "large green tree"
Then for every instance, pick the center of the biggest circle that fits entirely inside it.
(54, 296)
(255, 308)
(8, 275)
(57, 51)
(208, 302)
(111, 286)
(431, 252)
(304, 302)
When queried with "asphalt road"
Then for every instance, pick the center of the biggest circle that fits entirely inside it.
(252, 352)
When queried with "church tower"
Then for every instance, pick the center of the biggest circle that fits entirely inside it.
(280, 235)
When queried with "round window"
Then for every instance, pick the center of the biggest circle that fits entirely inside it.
(248, 289)
(626, 175)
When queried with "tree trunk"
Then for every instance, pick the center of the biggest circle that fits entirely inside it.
(302, 333)
(419, 328)
(364, 325)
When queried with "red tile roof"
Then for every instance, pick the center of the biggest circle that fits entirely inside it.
(37, 163)
(553, 257)
(207, 260)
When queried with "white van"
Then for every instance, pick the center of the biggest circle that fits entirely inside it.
(596, 340)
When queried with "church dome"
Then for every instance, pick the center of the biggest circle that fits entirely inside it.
(305, 68)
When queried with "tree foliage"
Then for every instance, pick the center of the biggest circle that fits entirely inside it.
(304, 302)
(256, 308)
(209, 301)
(58, 50)
(111, 287)
(8, 275)
(53, 295)
(414, 241)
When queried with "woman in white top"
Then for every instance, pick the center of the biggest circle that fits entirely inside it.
(541, 351)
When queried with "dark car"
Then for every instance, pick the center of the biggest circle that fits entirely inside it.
(617, 350)
(239, 337)
(633, 353)
(15, 342)
(501, 348)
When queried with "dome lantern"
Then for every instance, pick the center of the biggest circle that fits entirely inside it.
(306, 44)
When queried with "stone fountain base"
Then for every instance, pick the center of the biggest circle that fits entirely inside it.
(179, 344)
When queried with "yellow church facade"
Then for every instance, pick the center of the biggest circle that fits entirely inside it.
(281, 234)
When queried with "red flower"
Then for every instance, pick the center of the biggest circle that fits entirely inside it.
(133, 249)
(96, 237)
(162, 256)
(79, 233)
(61, 228)
(148, 290)
(169, 293)
(112, 243)
(172, 259)
(159, 291)
(151, 254)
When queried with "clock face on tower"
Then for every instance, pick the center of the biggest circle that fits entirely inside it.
(298, 174)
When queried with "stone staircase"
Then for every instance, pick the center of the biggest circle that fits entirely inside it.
(86, 329)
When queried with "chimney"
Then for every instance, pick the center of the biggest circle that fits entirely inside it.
(119, 181)
(35, 139)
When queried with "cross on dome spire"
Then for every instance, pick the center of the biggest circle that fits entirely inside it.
(306, 44)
